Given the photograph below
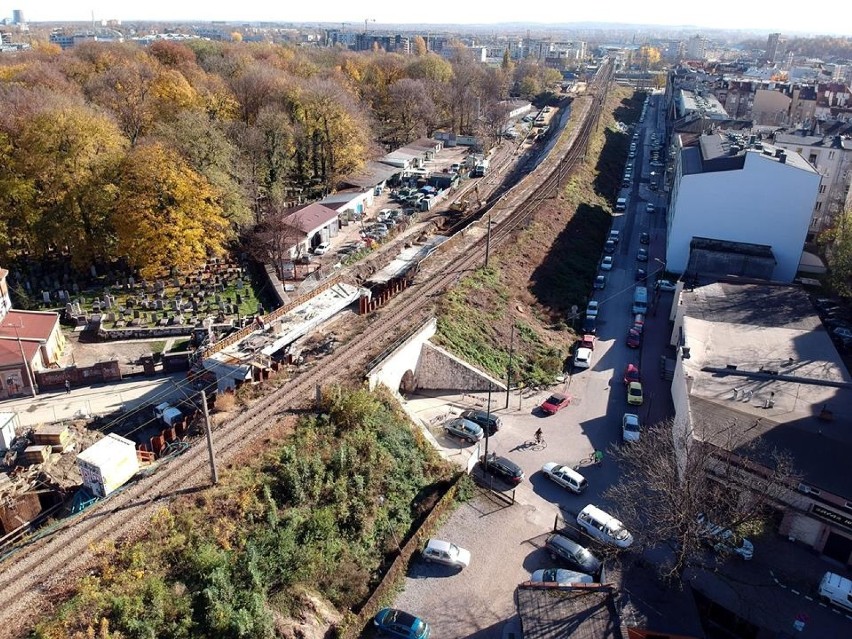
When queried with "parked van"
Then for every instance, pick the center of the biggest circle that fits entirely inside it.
(836, 590)
(604, 527)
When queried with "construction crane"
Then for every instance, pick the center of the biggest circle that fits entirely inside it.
(366, 20)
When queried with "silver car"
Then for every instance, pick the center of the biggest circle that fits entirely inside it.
(560, 576)
(443, 552)
(464, 429)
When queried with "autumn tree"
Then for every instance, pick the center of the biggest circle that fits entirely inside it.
(67, 156)
(671, 476)
(271, 241)
(413, 114)
(836, 242)
(166, 215)
(420, 48)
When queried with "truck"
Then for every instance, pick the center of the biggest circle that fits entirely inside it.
(167, 413)
(640, 300)
(481, 169)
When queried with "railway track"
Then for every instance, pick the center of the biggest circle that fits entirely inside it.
(30, 574)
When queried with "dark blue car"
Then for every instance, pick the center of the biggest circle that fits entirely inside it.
(397, 623)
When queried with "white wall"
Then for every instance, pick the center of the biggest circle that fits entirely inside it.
(764, 203)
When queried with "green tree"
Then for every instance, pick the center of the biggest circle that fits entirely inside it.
(166, 215)
(837, 244)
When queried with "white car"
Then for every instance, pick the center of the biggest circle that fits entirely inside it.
(665, 285)
(322, 249)
(565, 476)
(443, 552)
(606, 263)
(583, 358)
(602, 526)
(724, 541)
(630, 427)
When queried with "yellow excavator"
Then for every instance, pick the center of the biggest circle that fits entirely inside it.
(464, 203)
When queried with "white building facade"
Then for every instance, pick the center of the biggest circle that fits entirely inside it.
(760, 197)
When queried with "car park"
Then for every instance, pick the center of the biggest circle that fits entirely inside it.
(631, 374)
(723, 540)
(644, 238)
(600, 282)
(642, 255)
(565, 476)
(634, 393)
(322, 249)
(634, 338)
(489, 422)
(606, 263)
(592, 308)
(555, 403)
(630, 427)
(583, 358)
(573, 554)
(502, 467)
(443, 552)
(464, 429)
(397, 623)
(602, 526)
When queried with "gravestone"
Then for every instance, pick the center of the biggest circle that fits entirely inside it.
(158, 304)
(69, 310)
(239, 284)
(136, 314)
(131, 281)
(45, 296)
(75, 287)
(61, 296)
(239, 299)
(96, 306)
(260, 309)
(78, 310)
(176, 305)
(93, 270)
(194, 306)
(110, 317)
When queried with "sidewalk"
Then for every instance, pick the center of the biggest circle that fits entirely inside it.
(101, 399)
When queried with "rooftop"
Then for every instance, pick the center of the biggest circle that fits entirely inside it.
(761, 363)
(579, 612)
(310, 217)
(716, 152)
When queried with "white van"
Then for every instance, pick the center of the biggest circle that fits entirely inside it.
(604, 527)
(837, 590)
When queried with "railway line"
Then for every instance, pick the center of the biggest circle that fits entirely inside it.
(29, 575)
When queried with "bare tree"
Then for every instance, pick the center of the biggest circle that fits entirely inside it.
(272, 241)
(670, 479)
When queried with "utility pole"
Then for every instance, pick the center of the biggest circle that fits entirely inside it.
(214, 474)
(488, 422)
(509, 369)
(26, 362)
(488, 241)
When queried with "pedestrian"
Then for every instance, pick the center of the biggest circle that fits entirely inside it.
(67, 386)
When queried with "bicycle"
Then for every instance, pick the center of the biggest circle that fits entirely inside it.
(594, 459)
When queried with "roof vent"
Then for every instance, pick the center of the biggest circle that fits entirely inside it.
(731, 367)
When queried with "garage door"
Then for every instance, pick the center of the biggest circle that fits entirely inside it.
(838, 547)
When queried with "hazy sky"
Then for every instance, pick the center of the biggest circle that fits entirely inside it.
(831, 16)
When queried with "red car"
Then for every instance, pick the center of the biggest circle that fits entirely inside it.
(634, 338)
(631, 374)
(554, 403)
(588, 341)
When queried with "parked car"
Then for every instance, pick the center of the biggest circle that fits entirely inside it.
(565, 476)
(634, 338)
(592, 308)
(634, 393)
(587, 341)
(600, 282)
(609, 246)
(396, 623)
(583, 358)
(842, 332)
(649, 207)
(560, 576)
(443, 552)
(563, 549)
(464, 429)
(665, 285)
(606, 263)
(641, 275)
(723, 540)
(590, 325)
(554, 403)
(630, 427)
(614, 235)
(644, 238)
(631, 374)
(489, 422)
(322, 249)
(502, 467)
(642, 255)
(602, 526)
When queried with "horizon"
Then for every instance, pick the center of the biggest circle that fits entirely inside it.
(665, 14)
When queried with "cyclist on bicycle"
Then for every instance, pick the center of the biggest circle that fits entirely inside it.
(598, 455)
(538, 436)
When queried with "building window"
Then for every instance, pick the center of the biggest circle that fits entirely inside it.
(812, 158)
(831, 155)
(818, 206)
(822, 188)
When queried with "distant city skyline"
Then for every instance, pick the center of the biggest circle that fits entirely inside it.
(722, 14)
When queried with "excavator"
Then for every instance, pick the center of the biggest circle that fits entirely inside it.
(468, 200)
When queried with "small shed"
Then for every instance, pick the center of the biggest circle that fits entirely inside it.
(108, 464)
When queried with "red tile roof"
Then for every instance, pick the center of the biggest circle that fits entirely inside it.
(10, 352)
(28, 325)
(310, 217)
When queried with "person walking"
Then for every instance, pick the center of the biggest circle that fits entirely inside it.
(67, 386)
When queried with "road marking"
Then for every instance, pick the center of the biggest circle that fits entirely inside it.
(795, 592)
